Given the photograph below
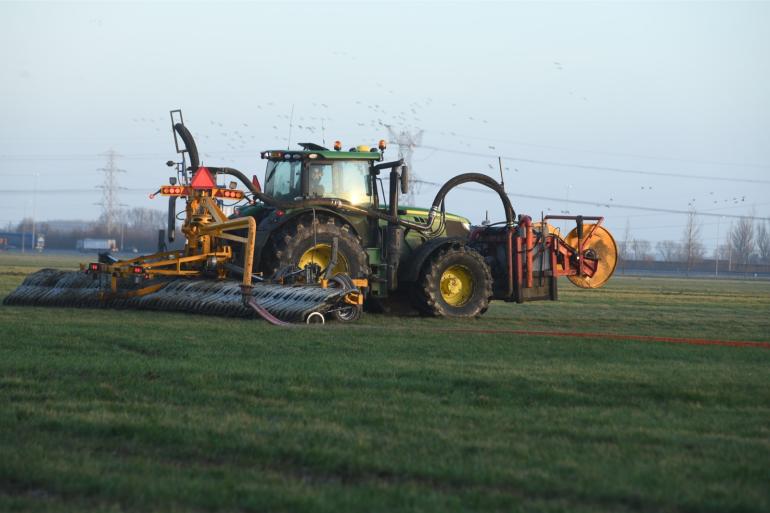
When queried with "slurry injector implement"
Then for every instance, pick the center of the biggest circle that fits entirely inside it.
(322, 238)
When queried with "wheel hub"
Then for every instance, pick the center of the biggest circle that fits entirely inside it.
(456, 285)
(321, 254)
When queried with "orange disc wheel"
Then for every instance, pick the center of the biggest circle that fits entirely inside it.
(600, 247)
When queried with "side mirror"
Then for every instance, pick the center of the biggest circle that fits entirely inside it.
(404, 179)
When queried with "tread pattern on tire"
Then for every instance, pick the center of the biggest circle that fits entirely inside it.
(428, 291)
(287, 244)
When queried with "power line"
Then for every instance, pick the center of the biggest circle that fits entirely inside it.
(597, 168)
(77, 157)
(612, 153)
(152, 156)
(605, 204)
(70, 191)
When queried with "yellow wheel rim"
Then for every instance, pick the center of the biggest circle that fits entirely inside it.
(321, 254)
(603, 246)
(456, 285)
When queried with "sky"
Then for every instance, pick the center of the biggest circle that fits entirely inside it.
(638, 112)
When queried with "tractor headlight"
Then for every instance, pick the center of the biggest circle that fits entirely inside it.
(467, 226)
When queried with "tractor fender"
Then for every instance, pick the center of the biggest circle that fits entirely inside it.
(411, 271)
(271, 224)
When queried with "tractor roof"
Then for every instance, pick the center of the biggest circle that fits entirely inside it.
(358, 153)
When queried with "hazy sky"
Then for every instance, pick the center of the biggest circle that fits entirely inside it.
(630, 104)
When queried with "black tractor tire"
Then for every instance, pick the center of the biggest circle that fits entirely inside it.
(298, 236)
(469, 300)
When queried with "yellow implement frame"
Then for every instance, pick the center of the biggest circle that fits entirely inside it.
(206, 228)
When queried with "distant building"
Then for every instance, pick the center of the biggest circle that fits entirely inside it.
(19, 240)
(90, 245)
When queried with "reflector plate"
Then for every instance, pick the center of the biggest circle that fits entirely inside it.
(202, 179)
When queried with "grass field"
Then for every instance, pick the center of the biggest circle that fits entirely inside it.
(139, 411)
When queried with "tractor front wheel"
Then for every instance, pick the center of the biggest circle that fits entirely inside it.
(455, 282)
(309, 240)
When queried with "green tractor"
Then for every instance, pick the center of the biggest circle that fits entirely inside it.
(328, 211)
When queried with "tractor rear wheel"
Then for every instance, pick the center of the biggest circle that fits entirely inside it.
(455, 282)
(308, 240)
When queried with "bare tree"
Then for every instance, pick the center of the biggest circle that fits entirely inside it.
(640, 249)
(669, 250)
(692, 247)
(624, 247)
(723, 250)
(25, 225)
(763, 242)
(742, 240)
(144, 218)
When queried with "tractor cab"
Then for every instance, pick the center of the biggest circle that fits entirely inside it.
(317, 172)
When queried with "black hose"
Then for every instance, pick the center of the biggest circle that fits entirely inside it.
(171, 218)
(189, 144)
(437, 207)
(479, 178)
(282, 204)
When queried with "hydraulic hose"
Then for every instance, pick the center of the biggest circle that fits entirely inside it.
(510, 214)
(171, 225)
(189, 144)
(269, 200)
(427, 227)
(436, 208)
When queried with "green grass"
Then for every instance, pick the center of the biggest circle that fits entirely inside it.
(140, 411)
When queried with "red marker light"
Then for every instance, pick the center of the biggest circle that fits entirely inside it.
(138, 270)
(255, 183)
(94, 267)
(279, 213)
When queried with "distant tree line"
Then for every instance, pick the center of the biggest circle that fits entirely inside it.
(137, 230)
(745, 242)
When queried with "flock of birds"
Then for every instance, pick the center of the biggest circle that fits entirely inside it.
(311, 122)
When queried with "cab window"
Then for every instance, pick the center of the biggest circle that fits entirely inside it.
(282, 179)
(346, 180)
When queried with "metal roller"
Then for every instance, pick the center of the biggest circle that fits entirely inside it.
(50, 287)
